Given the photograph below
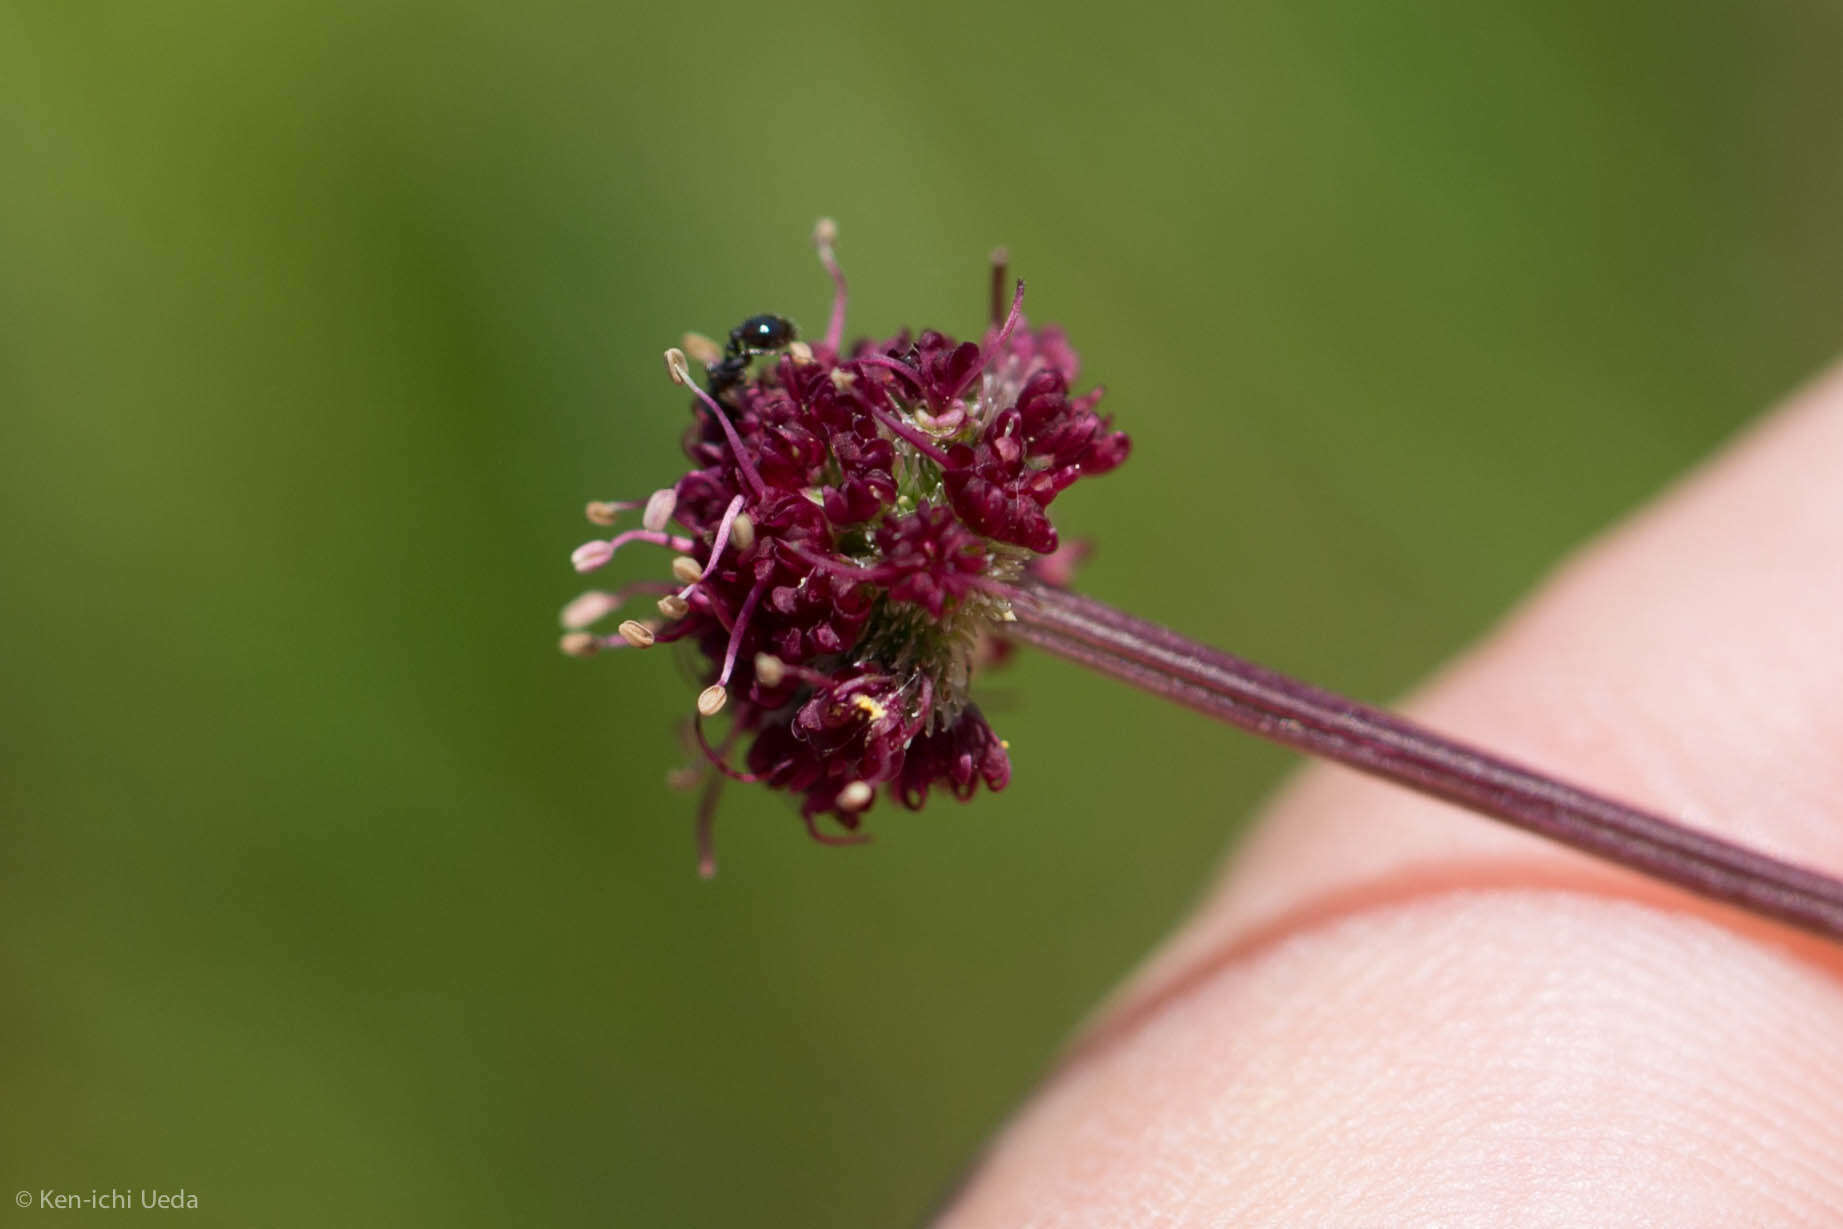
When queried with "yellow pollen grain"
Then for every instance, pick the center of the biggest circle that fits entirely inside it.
(869, 705)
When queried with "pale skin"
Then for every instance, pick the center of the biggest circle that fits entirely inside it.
(1390, 1012)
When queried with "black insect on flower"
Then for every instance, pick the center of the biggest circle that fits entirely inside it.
(846, 547)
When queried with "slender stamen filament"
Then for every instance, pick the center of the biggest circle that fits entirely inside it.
(1001, 265)
(920, 442)
(1011, 321)
(719, 756)
(716, 550)
(742, 621)
(706, 824)
(592, 555)
(825, 235)
(991, 351)
(1321, 723)
(686, 569)
(826, 838)
(681, 374)
(889, 364)
(839, 567)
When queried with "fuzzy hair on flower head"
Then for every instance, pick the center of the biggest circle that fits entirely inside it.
(846, 545)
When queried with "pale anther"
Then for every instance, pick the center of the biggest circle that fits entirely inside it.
(675, 363)
(770, 671)
(659, 508)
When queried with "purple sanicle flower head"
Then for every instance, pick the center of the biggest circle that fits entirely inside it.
(850, 532)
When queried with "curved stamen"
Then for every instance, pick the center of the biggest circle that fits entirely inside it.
(707, 822)
(718, 757)
(812, 830)
(716, 551)
(890, 364)
(806, 674)
(681, 374)
(742, 621)
(592, 555)
(1011, 323)
(825, 234)
(922, 443)
(838, 567)
(1001, 262)
(991, 351)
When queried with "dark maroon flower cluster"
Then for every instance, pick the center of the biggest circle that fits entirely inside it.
(853, 523)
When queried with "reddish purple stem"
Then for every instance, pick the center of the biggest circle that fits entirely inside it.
(1305, 718)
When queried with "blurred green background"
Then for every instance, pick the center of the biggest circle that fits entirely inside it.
(332, 894)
